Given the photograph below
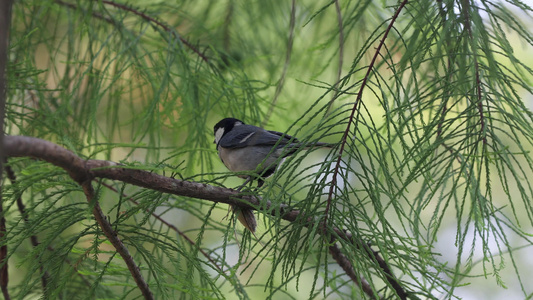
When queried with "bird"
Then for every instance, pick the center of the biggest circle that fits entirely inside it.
(243, 147)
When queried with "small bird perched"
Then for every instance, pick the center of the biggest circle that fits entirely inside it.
(244, 147)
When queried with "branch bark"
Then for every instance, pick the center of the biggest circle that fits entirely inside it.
(5, 21)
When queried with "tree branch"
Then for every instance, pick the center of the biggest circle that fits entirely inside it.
(33, 238)
(346, 265)
(356, 105)
(85, 170)
(392, 281)
(17, 146)
(115, 240)
(5, 21)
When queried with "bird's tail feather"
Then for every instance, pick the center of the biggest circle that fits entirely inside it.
(246, 217)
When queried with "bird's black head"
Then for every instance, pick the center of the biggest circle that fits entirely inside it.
(224, 126)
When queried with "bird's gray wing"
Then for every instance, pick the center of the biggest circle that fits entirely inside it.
(248, 135)
(286, 138)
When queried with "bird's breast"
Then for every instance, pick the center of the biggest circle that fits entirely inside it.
(248, 158)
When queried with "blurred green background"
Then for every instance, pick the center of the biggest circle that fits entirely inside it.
(143, 83)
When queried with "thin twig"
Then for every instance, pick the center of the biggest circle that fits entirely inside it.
(466, 13)
(146, 17)
(281, 81)
(346, 265)
(158, 23)
(171, 226)
(294, 215)
(33, 238)
(226, 28)
(341, 55)
(442, 14)
(93, 13)
(355, 108)
(4, 275)
(351, 120)
(114, 239)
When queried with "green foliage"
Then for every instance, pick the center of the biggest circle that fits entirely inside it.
(433, 175)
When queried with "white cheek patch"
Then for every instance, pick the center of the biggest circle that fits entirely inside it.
(218, 135)
(246, 137)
